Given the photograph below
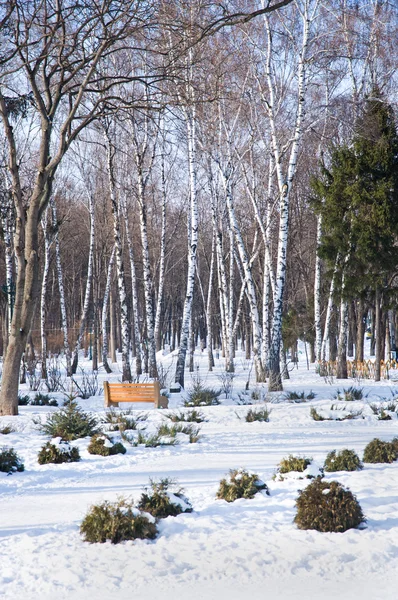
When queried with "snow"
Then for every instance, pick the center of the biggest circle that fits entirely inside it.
(245, 549)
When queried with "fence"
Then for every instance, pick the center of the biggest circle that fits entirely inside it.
(356, 368)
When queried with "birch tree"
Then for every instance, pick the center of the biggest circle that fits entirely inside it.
(53, 51)
(285, 166)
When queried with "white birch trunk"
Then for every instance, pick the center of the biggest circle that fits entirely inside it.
(317, 295)
(64, 322)
(105, 311)
(209, 330)
(162, 259)
(251, 291)
(230, 350)
(43, 304)
(284, 185)
(144, 163)
(87, 294)
(190, 118)
(134, 294)
(124, 322)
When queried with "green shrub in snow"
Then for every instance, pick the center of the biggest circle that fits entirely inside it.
(122, 420)
(327, 506)
(102, 445)
(378, 451)
(58, 452)
(23, 399)
(116, 522)
(202, 396)
(257, 414)
(189, 416)
(240, 484)
(161, 501)
(10, 461)
(345, 460)
(293, 463)
(70, 423)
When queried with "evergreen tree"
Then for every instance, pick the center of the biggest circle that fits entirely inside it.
(357, 195)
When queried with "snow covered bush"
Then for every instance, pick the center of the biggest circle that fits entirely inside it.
(240, 484)
(102, 445)
(190, 416)
(117, 522)
(70, 423)
(380, 452)
(122, 420)
(57, 451)
(345, 460)
(350, 394)
(171, 431)
(7, 429)
(43, 400)
(327, 506)
(10, 461)
(160, 501)
(299, 396)
(202, 396)
(23, 399)
(257, 414)
(294, 463)
(316, 416)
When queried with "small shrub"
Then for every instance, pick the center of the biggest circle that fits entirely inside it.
(327, 506)
(23, 399)
(350, 394)
(190, 416)
(380, 452)
(316, 416)
(119, 420)
(116, 522)
(70, 423)
(160, 502)
(294, 463)
(243, 399)
(7, 429)
(384, 416)
(257, 414)
(43, 400)
(202, 396)
(165, 430)
(10, 461)
(240, 484)
(102, 445)
(299, 396)
(58, 452)
(55, 381)
(227, 382)
(149, 441)
(345, 460)
(87, 386)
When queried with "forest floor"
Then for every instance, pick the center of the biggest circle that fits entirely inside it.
(249, 549)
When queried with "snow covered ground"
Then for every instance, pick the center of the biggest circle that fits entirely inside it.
(249, 549)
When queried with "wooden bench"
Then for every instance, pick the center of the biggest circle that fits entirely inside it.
(134, 392)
